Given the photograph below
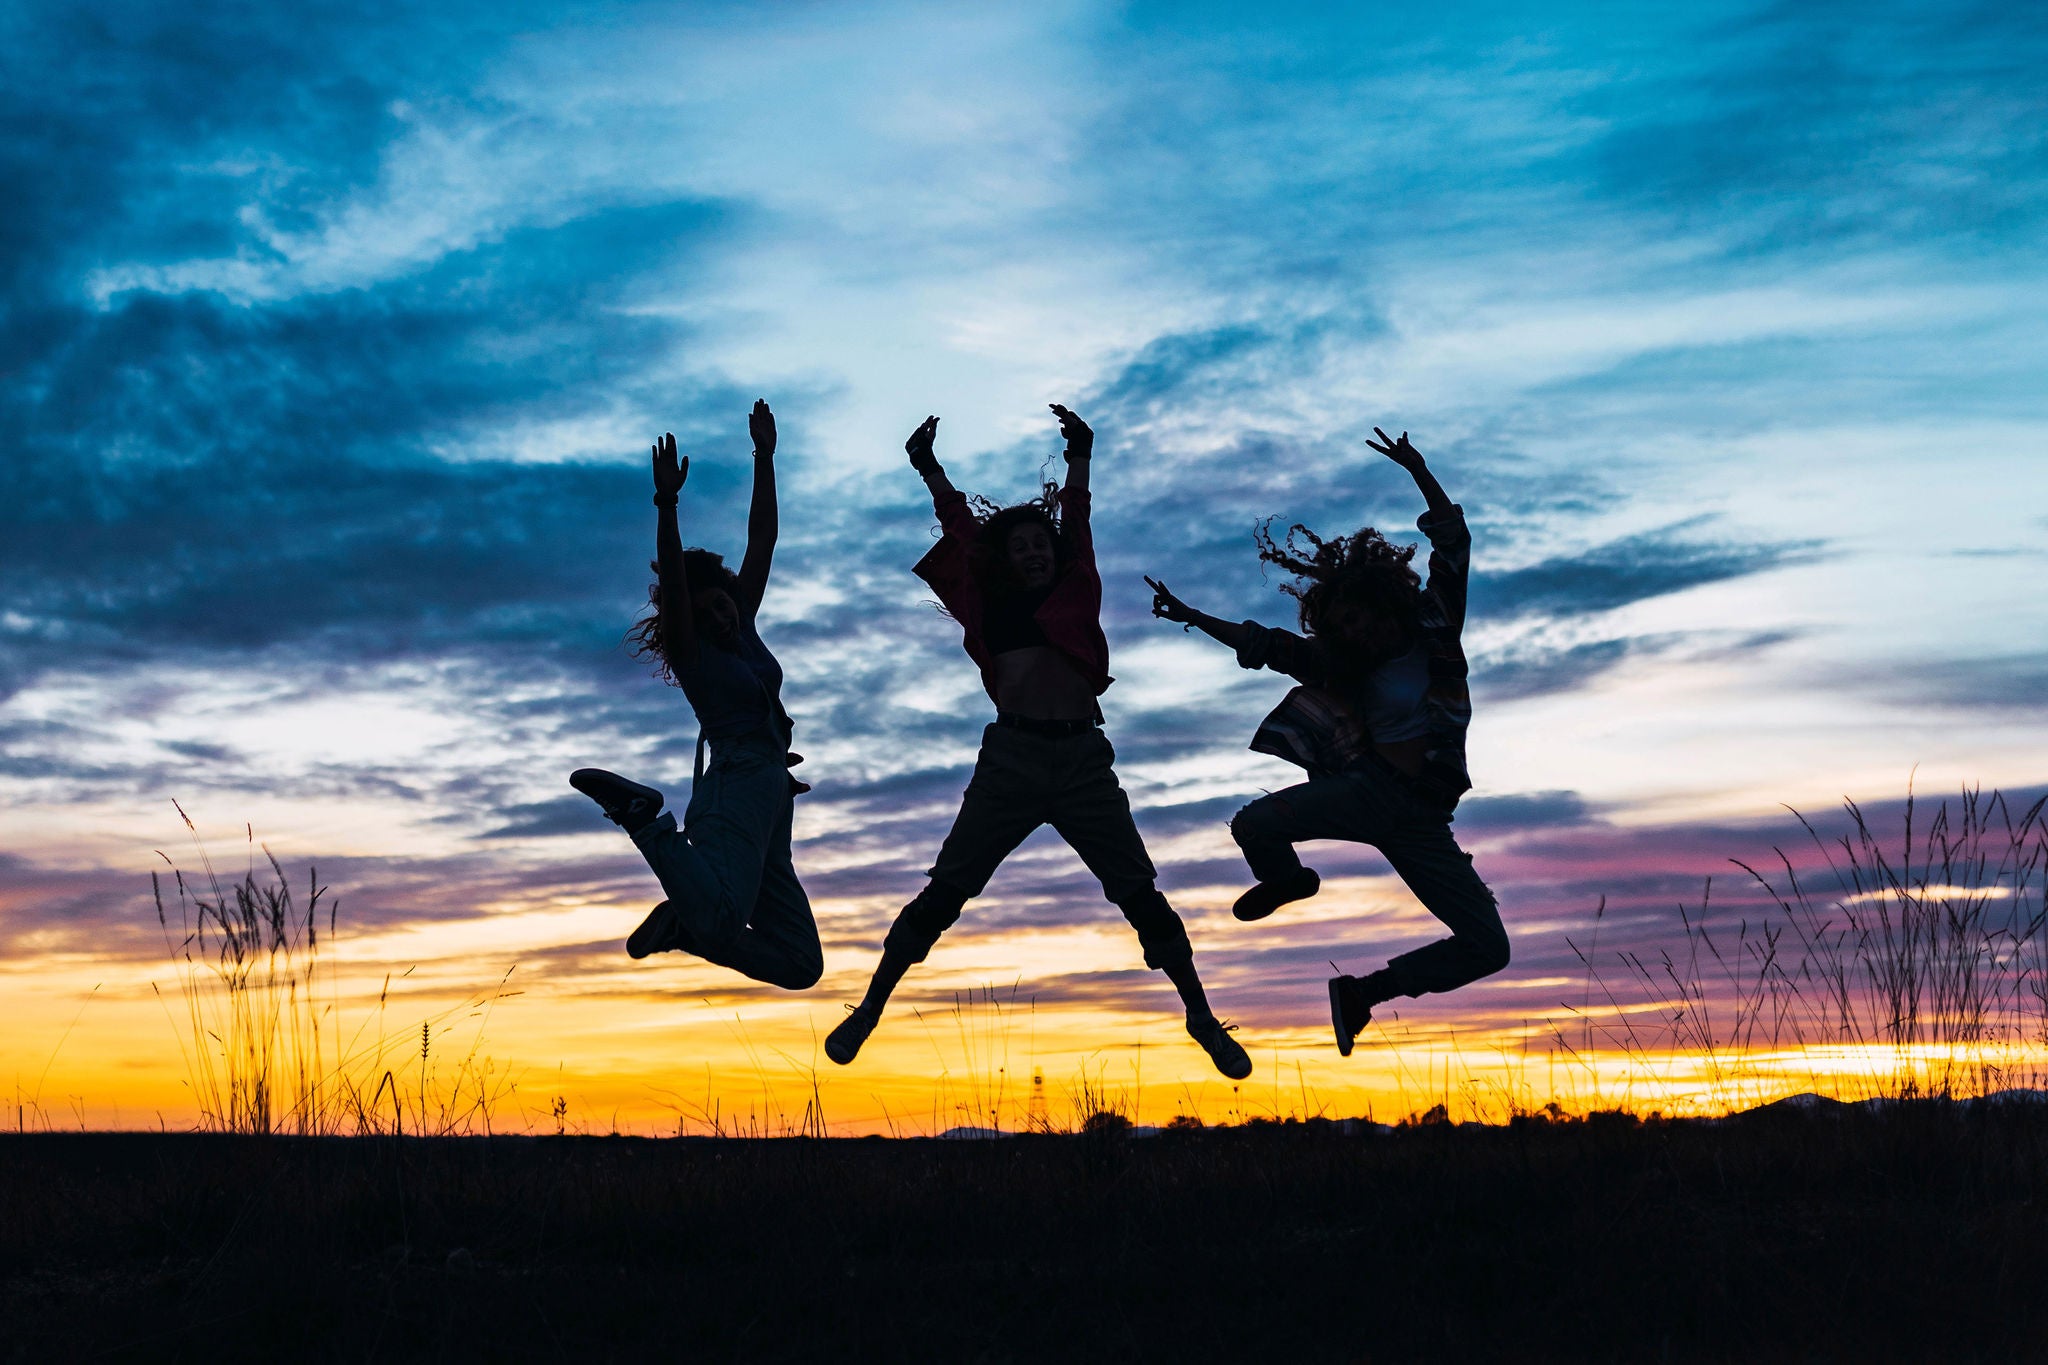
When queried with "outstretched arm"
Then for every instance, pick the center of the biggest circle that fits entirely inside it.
(678, 620)
(762, 523)
(1409, 458)
(1167, 607)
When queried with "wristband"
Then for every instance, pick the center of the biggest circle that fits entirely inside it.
(664, 499)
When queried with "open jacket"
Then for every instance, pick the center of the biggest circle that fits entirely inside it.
(1319, 729)
(1070, 616)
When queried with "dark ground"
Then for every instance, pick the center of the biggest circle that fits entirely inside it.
(1917, 1233)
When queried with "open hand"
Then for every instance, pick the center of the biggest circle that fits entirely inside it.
(1080, 438)
(1397, 450)
(761, 426)
(919, 446)
(669, 472)
(1166, 606)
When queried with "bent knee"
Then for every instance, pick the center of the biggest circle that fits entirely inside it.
(1260, 819)
(1490, 953)
(802, 976)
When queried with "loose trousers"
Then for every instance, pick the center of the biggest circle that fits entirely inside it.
(1023, 780)
(727, 873)
(1370, 806)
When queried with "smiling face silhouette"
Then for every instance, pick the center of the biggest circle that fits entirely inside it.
(1029, 550)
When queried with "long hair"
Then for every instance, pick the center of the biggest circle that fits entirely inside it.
(989, 557)
(647, 639)
(1365, 569)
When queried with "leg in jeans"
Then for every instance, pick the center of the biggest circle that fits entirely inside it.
(1090, 810)
(1322, 808)
(1440, 874)
(1003, 803)
(1370, 808)
(1093, 814)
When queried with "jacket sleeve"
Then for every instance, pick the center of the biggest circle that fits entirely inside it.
(1282, 651)
(1450, 560)
(954, 516)
(1074, 510)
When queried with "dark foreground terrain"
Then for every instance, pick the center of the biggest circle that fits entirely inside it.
(1915, 1233)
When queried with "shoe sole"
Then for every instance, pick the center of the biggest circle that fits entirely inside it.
(655, 930)
(1255, 915)
(641, 794)
(833, 1047)
(1344, 1039)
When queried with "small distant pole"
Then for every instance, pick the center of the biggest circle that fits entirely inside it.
(1035, 1117)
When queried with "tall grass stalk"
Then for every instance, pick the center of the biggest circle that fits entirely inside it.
(261, 1040)
(1909, 965)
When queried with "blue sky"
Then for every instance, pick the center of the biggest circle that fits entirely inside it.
(331, 342)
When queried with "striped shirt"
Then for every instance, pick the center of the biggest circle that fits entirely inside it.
(1321, 730)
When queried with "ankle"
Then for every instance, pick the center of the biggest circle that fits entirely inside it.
(1378, 987)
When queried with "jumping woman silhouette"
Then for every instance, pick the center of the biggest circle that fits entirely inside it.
(1379, 723)
(733, 896)
(1022, 584)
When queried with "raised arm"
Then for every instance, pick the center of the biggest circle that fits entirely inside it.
(1080, 449)
(1450, 540)
(1074, 511)
(762, 523)
(678, 619)
(1409, 458)
(1167, 607)
(947, 501)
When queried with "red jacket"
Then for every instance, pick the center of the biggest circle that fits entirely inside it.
(1071, 616)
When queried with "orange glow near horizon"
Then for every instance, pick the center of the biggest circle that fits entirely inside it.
(689, 1049)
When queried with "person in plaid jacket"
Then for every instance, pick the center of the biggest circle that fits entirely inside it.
(1378, 722)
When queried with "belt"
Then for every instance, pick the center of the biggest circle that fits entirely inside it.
(1032, 725)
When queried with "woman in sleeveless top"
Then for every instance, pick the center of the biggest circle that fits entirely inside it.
(732, 894)
(1021, 582)
(1379, 723)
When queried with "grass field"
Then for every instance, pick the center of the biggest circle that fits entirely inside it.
(1909, 1232)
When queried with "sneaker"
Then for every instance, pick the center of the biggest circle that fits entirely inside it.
(1214, 1036)
(628, 805)
(1350, 1011)
(656, 934)
(842, 1044)
(1263, 899)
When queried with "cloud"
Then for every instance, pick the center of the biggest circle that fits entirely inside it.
(1818, 124)
(2016, 682)
(1632, 569)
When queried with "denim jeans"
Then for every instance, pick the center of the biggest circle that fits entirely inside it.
(727, 872)
(1023, 780)
(1369, 805)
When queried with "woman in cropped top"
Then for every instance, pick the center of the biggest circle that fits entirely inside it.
(1022, 584)
(733, 897)
(1379, 724)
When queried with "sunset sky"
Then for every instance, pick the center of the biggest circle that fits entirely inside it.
(333, 337)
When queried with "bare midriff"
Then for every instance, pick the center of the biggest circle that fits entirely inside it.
(1040, 682)
(1404, 755)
